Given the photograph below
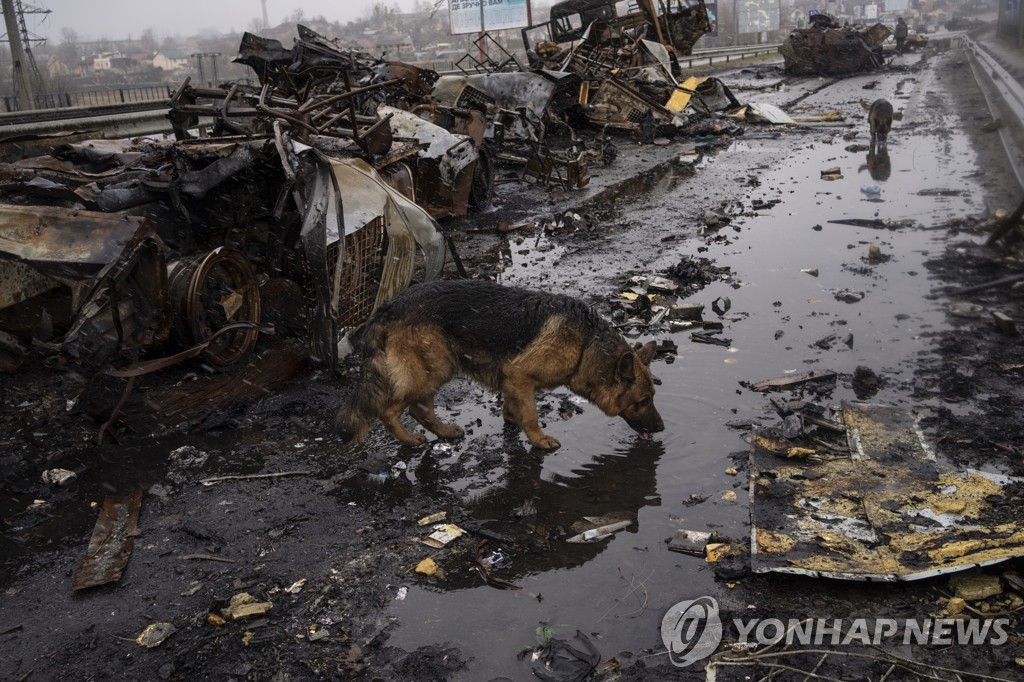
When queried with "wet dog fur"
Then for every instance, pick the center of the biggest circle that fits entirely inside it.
(509, 339)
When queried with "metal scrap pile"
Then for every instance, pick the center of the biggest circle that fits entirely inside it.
(591, 36)
(628, 63)
(113, 252)
(588, 65)
(522, 110)
(828, 49)
(320, 184)
(350, 104)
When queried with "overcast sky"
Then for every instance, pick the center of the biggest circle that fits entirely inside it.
(94, 19)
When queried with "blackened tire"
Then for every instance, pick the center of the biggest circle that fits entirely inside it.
(482, 190)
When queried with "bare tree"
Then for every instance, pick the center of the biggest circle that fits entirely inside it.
(69, 51)
(148, 41)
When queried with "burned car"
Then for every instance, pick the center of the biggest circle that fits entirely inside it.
(828, 49)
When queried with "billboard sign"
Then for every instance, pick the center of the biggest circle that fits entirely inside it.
(712, 8)
(754, 16)
(478, 16)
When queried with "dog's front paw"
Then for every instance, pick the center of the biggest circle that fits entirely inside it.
(546, 442)
(414, 440)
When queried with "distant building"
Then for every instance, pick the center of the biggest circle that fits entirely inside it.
(102, 61)
(122, 63)
(170, 60)
(379, 42)
(55, 66)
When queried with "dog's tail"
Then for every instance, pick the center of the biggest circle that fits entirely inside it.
(373, 392)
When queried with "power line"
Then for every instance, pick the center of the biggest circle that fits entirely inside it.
(27, 73)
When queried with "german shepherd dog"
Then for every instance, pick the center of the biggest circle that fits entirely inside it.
(880, 121)
(509, 339)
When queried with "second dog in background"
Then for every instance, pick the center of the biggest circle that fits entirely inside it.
(880, 122)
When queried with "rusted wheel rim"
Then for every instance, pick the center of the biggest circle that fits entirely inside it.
(213, 290)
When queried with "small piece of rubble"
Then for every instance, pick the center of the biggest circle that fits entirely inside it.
(61, 477)
(243, 605)
(976, 587)
(848, 296)
(155, 634)
(427, 567)
(689, 541)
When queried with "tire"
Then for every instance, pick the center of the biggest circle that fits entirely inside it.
(482, 190)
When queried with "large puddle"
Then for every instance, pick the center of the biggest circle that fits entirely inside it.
(618, 590)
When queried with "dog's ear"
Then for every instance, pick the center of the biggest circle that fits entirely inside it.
(646, 354)
(625, 370)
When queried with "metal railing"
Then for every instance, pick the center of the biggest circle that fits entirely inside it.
(92, 98)
(1010, 91)
(726, 54)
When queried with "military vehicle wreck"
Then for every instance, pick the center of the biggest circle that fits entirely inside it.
(522, 108)
(593, 35)
(627, 61)
(828, 49)
(287, 207)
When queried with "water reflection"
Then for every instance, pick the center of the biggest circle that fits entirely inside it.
(537, 512)
(878, 164)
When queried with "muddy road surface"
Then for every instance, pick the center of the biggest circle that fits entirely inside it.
(328, 534)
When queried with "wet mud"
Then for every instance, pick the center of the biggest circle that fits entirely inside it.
(344, 519)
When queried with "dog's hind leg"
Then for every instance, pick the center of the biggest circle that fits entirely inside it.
(521, 408)
(423, 412)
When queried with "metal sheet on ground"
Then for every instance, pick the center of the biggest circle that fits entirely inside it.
(111, 543)
(890, 512)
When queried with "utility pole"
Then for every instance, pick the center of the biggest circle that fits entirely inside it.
(213, 60)
(22, 76)
(198, 56)
(266, 22)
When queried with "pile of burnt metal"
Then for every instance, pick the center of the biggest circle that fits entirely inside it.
(298, 204)
(828, 49)
(303, 201)
(627, 64)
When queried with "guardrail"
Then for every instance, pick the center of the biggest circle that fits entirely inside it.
(92, 98)
(1012, 94)
(7, 120)
(727, 54)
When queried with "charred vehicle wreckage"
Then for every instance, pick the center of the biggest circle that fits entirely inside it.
(296, 205)
(827, 48)
(301, 202)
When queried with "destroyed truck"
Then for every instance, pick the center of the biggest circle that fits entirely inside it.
(625, 57)
(825, 48)
(584, 36)
(295, 206)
